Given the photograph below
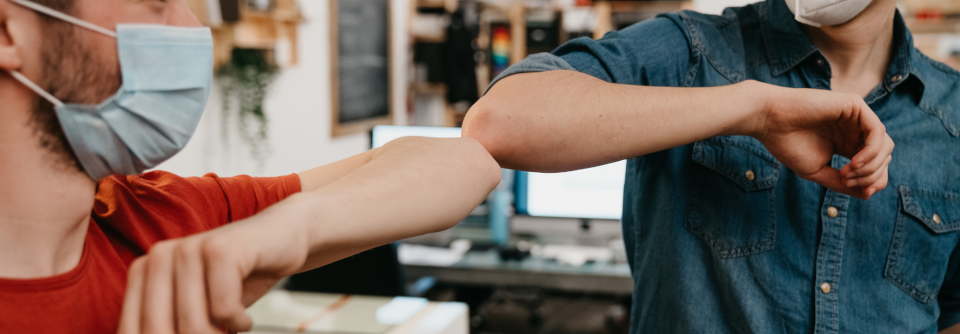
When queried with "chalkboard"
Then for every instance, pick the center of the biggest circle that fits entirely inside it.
(360, 59)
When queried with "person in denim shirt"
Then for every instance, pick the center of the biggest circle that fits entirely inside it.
(724, 230)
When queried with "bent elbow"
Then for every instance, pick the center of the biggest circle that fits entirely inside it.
(489, 126)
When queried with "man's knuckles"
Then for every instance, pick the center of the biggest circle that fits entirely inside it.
(163, 248)
(217, 249)
(137, 267)
(188, 250)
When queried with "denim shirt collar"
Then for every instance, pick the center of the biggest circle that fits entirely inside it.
(787, 46)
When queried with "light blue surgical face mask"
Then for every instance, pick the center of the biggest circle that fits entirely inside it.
(167, 74)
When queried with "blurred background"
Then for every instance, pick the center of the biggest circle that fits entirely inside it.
(302, 83)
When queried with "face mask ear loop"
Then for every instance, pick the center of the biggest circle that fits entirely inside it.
(26, 82)
(65, 17)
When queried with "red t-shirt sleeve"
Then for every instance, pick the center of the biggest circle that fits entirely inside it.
(246, 196)
(139, 211)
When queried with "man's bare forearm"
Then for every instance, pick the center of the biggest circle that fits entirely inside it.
(564, 120)
(318, 177)
(409, 187)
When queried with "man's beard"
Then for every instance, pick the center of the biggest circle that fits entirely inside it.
(73, 74)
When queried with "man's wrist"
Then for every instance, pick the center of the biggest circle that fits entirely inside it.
(756, 98)
(284, 232)
(304, 209)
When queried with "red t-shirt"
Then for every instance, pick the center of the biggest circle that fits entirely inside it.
(130, 215)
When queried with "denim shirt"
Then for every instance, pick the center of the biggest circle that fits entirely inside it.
(722, 238)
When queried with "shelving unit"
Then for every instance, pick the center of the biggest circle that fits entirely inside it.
(252, 28)
(516, 16)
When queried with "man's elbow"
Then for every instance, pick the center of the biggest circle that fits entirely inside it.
(490, 126)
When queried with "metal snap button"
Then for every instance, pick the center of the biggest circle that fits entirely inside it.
(832, 212)
(825, 287)
(820, 61)
(936, 218)
(896, 78)
(750, 176)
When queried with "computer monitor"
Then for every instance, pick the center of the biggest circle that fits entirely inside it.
(595, 192)
(383, 134)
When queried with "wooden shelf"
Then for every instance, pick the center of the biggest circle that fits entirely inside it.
(255, 30)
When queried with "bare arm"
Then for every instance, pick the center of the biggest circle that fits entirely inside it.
(563, 120)
(409, 187)
(315, 178)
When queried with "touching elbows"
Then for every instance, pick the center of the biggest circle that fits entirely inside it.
(489, 126)
(459, 156)
(477, 174)
(489, 169)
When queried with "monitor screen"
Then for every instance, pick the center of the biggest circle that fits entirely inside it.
(385, 133)
(587, 193)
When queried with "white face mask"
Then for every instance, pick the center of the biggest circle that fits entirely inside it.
(819, 13)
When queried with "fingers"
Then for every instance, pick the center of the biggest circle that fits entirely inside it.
(157, 309)
(168, 291)
(876, 144)
(191, 291)
(872, 166)
(871, 179)
(130, 317)
(225, 297)
(879, 185)
(830, 177)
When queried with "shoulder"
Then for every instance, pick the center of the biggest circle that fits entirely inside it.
(158, 205)
(154, 185)
(720, 38)
(716, 30)
(659, 34)
(651, 52)
(940, 84)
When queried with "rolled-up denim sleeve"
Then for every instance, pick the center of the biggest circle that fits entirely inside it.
(654, 52)
(540, 62)
(949, 296)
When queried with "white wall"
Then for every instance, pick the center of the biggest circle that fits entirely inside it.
(298, 109)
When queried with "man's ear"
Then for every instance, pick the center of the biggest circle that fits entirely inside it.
(9, 53)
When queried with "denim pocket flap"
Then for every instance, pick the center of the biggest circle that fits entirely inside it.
(743, 160)
(938, 211)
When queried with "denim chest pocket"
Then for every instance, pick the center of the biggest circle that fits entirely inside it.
(731, 203)
(924, 237)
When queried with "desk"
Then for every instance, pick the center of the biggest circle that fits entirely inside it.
(282, 311)
(486, 269)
